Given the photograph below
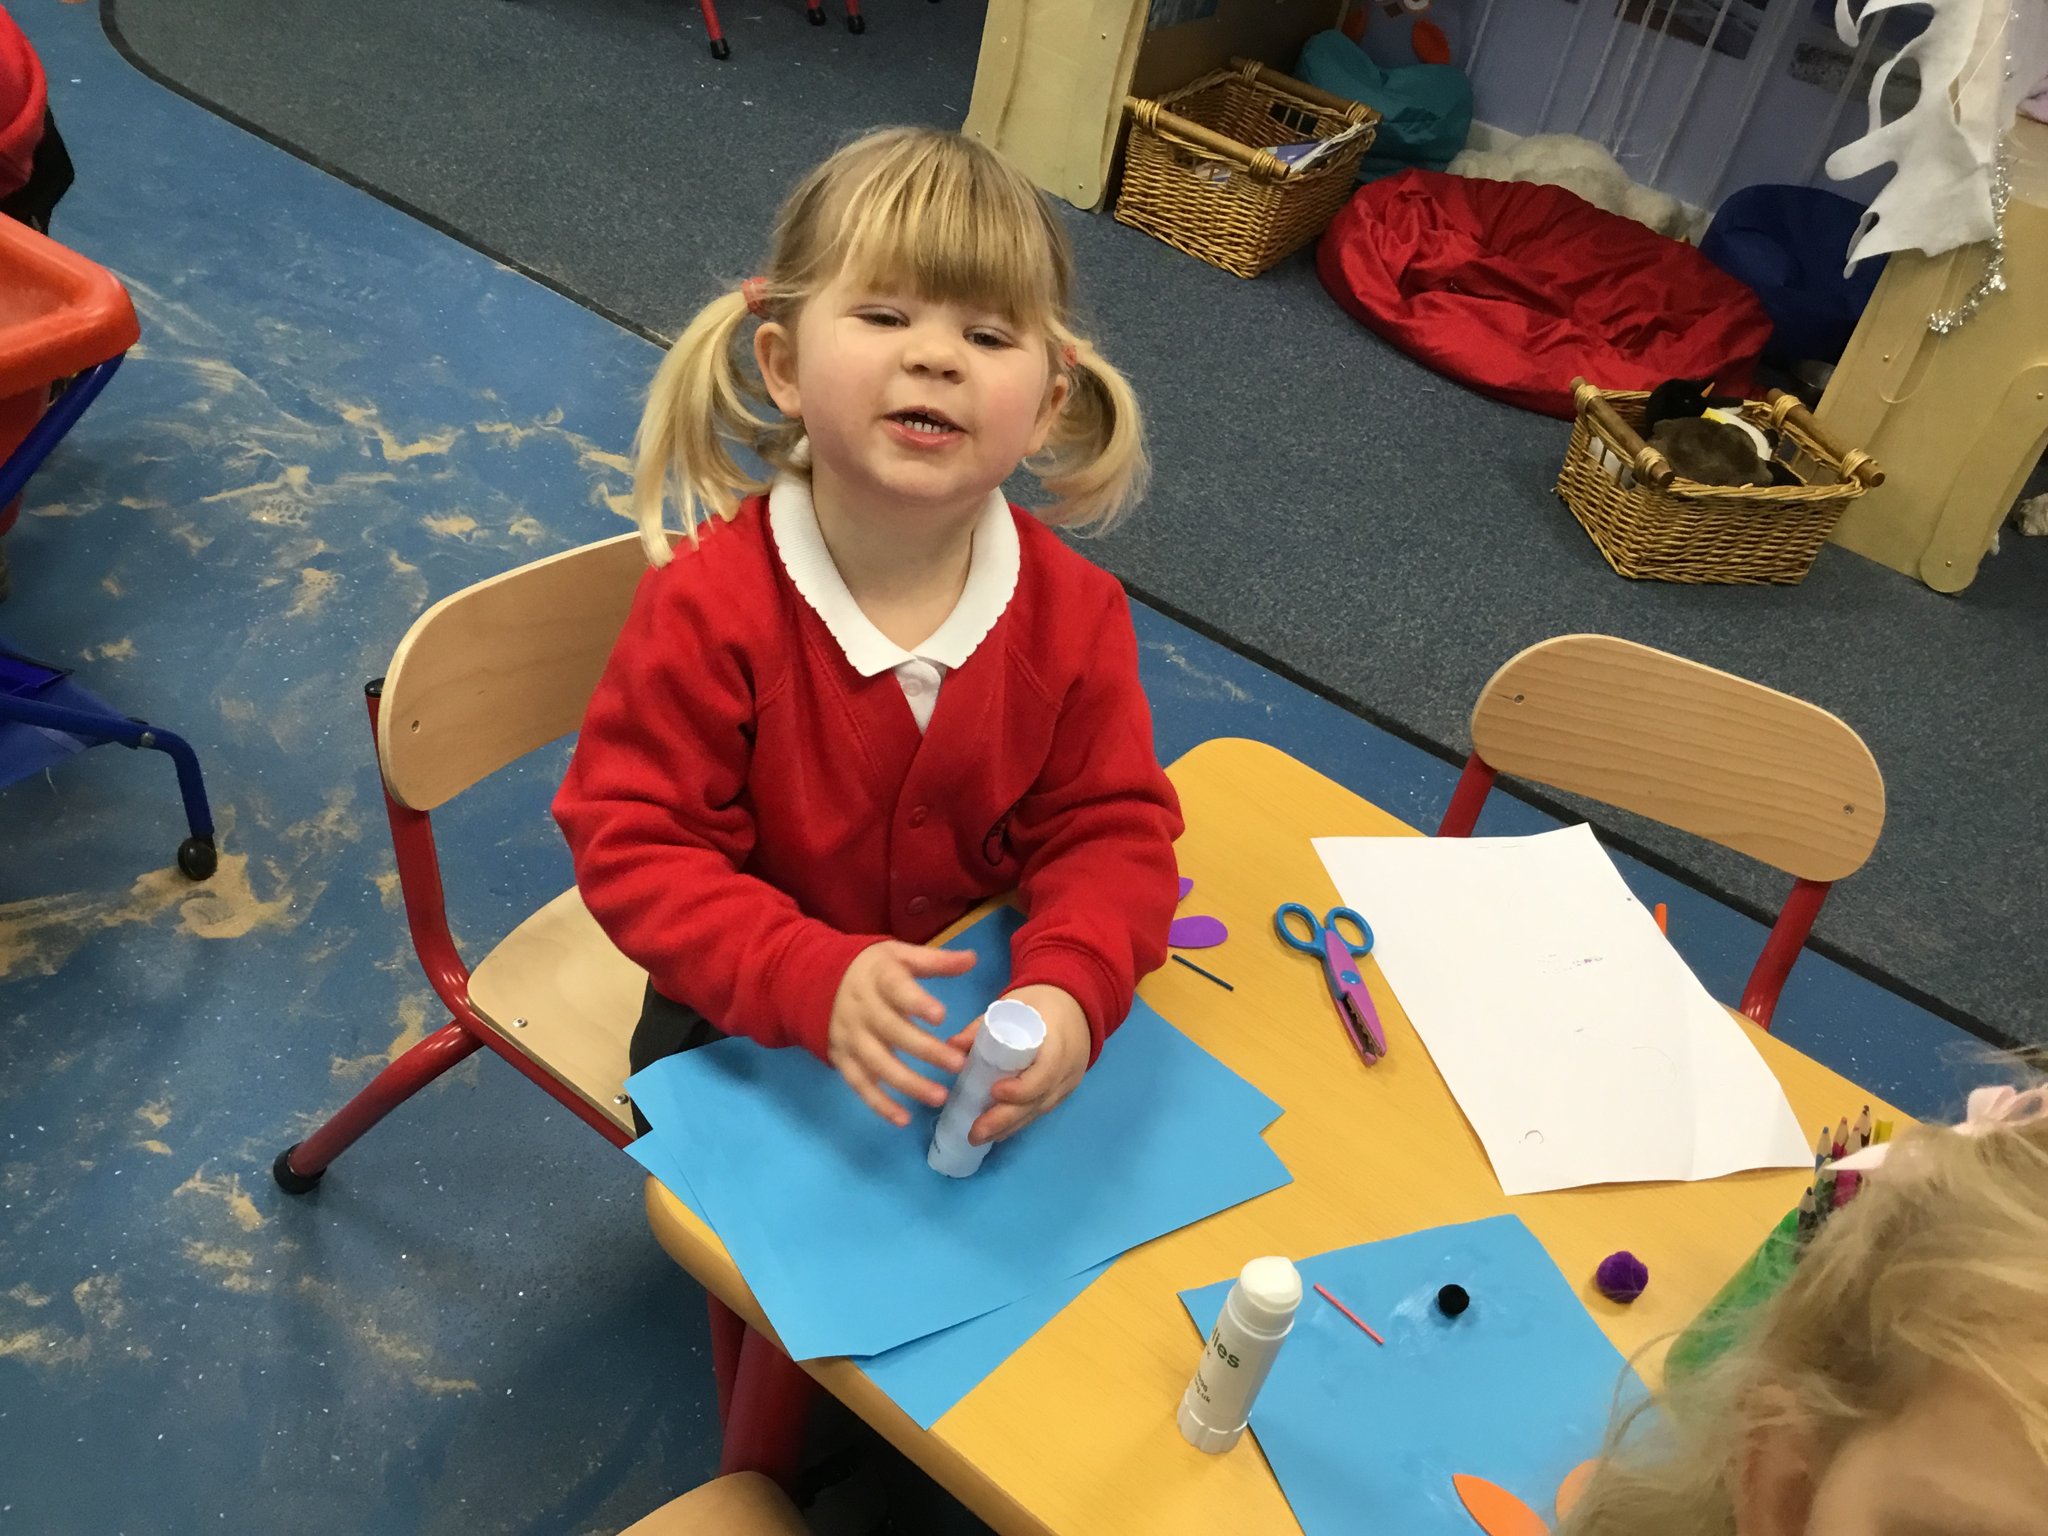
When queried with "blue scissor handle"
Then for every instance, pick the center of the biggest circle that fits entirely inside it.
(1313, 943)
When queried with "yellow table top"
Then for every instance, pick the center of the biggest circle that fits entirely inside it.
(1075, 1432)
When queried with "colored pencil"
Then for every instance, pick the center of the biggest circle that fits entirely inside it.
(1226, 986)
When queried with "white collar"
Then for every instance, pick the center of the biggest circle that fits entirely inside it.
(991, 581)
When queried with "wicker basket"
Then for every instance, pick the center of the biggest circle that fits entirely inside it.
(1650, 523)
(1199, 172)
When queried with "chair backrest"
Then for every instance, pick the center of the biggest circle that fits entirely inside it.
(1716, 755)
(492, 672)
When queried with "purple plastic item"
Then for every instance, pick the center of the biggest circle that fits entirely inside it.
(1195, 932)
(1622, 1277)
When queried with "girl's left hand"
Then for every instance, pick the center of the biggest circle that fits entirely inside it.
(1041, 1086)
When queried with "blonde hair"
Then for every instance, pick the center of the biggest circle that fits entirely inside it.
(950, 220)
(1940, 1264)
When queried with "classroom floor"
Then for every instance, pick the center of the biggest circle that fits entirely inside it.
(1320, 499)
(335, 416)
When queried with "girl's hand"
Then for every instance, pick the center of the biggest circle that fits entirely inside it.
(1041, 1086)
(872, 1028)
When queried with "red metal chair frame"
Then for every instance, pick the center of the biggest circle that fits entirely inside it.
(763, 1397)
(1781, 949)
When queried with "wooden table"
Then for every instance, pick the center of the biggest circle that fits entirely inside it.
(1075, 1432)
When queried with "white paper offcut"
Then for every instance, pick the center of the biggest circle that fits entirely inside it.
(1575, 1040)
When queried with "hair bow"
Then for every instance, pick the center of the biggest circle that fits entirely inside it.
(1989, 1109)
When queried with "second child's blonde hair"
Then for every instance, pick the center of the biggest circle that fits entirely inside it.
(1941, 1264)
(951, 221)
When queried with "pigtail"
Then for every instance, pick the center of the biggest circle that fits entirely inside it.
(1094, 461)
(703, 400)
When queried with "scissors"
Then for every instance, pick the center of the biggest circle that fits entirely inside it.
(1355, 1009)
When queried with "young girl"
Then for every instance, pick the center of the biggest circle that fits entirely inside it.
(1897, 1386)
(873, 697)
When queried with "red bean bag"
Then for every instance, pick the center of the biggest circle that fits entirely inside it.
(1512, 288)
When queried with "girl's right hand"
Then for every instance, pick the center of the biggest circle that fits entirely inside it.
(872, 1025)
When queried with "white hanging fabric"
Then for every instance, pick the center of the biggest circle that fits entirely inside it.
(1977, 59)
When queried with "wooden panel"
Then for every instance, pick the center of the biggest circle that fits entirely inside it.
(1075, 1432)
(486, 675)
(578, 996)
(1705, 751)
(1271, 31)
(1049, 89)
(1959, 420)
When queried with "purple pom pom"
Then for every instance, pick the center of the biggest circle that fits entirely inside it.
(1622, 1276)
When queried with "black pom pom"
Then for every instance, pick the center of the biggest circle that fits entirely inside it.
(1452, 1300)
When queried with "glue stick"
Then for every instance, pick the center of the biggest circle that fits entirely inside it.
(1005, 1045)
(1256, 1319)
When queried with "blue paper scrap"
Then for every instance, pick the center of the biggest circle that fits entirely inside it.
(1518, 1389)
(853, 1246)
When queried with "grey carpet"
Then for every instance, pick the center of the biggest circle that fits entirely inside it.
(1320, 500)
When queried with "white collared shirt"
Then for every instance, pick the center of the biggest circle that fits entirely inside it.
(991, 581)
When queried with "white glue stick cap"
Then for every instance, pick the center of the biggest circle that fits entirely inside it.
(1014, 1031)
(1270, 1291)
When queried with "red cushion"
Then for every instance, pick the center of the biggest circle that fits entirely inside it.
(1512, 288)
(23, 98)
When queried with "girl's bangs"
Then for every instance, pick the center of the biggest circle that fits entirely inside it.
(952, 233)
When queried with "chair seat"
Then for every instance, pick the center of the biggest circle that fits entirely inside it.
(744, 1504)
(577, 996)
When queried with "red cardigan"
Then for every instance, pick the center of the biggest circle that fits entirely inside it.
(747, 813)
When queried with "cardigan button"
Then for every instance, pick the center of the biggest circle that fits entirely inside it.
(918, 906)
(919, 817)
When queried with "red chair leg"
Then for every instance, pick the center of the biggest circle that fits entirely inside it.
(1788, 937)
(720, 48)
(300, 1166)
(728, 1333)
(814, 12)
(771, 1400)
(1467, 798)
(855, 22)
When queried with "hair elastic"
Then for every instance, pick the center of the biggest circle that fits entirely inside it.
(1070, 355)
(755, 291)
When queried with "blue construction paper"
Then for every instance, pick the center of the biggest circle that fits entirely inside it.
(927, 1376)
(657, 1159)
(1517, 1390)
(853, 1246)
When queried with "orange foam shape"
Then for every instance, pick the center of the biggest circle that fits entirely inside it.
(1498, 1512)
(1573, 1485)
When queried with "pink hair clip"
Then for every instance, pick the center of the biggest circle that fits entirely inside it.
(755, 291)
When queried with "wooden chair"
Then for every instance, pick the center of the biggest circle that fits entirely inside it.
(1716, 755)
(743, 1504)
(482, 678)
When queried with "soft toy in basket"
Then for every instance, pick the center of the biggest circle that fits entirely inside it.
(1649, 520)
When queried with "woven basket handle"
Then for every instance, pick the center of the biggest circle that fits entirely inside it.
(1856, 464)
(1650, 465)
(1287, 85)
(1154, 116)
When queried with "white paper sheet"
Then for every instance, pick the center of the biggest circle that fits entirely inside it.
(1578, 1044)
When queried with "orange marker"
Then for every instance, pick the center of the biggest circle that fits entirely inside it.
(1663, 914)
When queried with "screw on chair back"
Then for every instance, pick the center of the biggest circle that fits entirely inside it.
(1702, 750)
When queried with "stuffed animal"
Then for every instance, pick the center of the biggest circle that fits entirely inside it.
(1705, 436)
